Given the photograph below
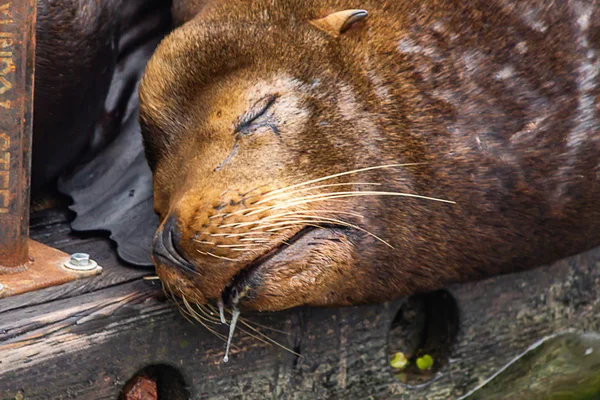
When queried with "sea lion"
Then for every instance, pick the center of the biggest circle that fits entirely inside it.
(332, 153)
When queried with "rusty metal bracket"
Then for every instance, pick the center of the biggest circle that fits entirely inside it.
(48, 267)
(25, 265)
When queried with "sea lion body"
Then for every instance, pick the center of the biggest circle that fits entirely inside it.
(89, 55)
(491, 105)
(75, 57)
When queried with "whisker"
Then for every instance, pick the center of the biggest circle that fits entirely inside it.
(247, 321)
(350, 225)
(267, 339)
(271, 340)
(194, 315)
(213, 309)
(204, 242)
(339, 195)
(242, 250)
(356, 171)
(183, 312)
(167, 291)
(246, 197)
(207, 317)
(272, 217)
(222, 258)
(375, 193)
(271, 197)
(335, 195)
(232, 235)
(328, 220)
(285, 222)
(208, 328)
(261, 339)
(208, 253)
(275, 216)
(310, 212)
(237, 245)
(288, 227)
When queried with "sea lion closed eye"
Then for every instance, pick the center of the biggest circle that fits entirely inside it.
(341, 152)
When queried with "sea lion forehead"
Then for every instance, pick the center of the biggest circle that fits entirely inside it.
(201, 52)
(204, 53)
(233, 34)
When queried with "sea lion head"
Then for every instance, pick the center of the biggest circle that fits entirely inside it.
(279, 173)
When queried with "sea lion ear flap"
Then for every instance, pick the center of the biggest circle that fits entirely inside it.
(339, 22)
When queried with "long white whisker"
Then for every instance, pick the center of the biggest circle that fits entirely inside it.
(248, 321)
(356, 171)
(271, 197)
(339, 195)
(238, 245)
(276, 216)
(192, 314)
(328, 220)
(208, 253)
(232, 235)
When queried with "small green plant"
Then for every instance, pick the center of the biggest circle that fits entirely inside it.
(425, 362)
(399, 361)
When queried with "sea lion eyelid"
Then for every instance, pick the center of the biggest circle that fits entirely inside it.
(257, 110)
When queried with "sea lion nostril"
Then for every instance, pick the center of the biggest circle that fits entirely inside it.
(167, 245)
(175, 236)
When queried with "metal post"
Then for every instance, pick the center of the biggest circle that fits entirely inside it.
(25, 265)
(17, 51)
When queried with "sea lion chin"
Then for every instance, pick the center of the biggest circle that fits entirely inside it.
(305, 155)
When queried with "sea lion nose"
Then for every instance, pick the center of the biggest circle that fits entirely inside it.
(166, 245)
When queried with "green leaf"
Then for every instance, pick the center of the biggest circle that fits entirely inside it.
(399, 361)
(425, 362)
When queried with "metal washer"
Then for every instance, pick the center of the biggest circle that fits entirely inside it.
(91, 265)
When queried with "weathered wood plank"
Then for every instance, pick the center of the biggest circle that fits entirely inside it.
(47, 354)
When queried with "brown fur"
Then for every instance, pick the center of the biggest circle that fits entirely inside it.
(499, 98)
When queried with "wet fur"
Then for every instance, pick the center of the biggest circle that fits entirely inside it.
(500, 99)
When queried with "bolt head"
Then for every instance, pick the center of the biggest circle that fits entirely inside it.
(80, 259)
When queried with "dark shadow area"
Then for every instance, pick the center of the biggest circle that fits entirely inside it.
(161, 382)
(421, 337)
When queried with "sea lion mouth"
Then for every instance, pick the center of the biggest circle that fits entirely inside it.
(249, 276)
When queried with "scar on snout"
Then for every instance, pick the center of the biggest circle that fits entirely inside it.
(228, 159)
